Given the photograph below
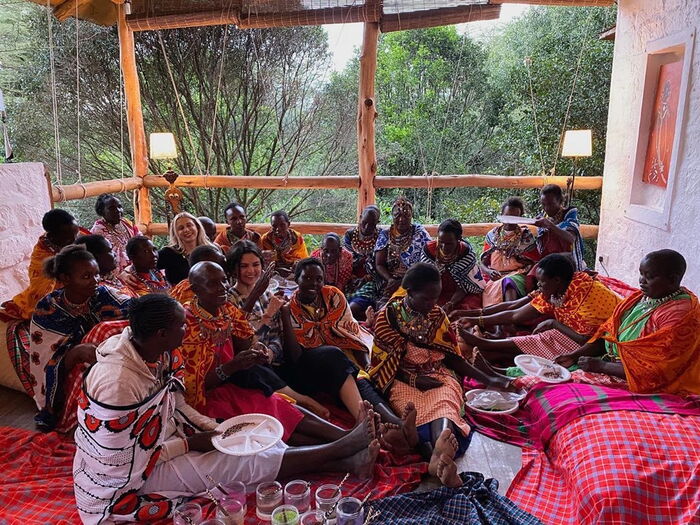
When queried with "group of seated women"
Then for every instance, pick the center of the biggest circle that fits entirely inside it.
(387, 323)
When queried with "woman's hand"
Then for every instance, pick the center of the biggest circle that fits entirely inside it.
(370, 317)
(391, 286)
(547, 324)
(201, 441)
(448, 307)
(263, 282)
(128, 279)
(82, 353)
(545, 223)
(425, 383)
(245, 360)
(591, 364)
(276, 303)
(566, 360)
(495, 275)
(264, 351)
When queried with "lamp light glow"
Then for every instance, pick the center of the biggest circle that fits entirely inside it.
(163, 146)
(577, 143)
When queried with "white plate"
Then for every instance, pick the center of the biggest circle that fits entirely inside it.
(514, 219)
(262, 433)
(288, 284)
(273, 286)
(531, 364)
(512, 398)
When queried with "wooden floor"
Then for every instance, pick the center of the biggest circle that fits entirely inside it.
(492, 458)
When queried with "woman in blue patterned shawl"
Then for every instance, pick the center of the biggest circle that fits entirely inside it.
(60, 321)
(558, 230)
(397, 249)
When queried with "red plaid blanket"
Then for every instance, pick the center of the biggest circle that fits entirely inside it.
(36, 481)
(617, 467)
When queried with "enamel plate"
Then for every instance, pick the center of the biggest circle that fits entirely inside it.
(247, 434)
(514, 219)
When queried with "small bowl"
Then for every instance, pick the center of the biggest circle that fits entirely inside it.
(472, 393)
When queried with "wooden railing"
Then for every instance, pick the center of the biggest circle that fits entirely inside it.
(91, 189)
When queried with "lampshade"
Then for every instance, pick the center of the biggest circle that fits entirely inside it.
(163, 146)
(577, 143)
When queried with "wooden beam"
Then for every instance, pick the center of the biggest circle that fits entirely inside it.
(252, 20)
(366, 116)
(275, 183)
(69, 8)
(485, 181)
(569, 3)
(92, 189)
(588, 231)
(137, 133)
(439, 17)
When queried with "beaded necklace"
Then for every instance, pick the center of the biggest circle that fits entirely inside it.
(316, 310)
(79, 308)
(114, 229)
(413, 323)
(282, 245)
(214, 328)
(653, 303)
(398, 242)
(153, 281)
(442, 261)
(507, 241)
(233, 238)
(363, 246)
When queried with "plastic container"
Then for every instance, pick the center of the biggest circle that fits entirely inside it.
(298, 494)
(268, 496)
(285, 515)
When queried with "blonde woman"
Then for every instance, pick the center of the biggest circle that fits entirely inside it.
(186, 233)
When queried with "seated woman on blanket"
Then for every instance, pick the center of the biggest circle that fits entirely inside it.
(61, 319)
(324, 345)
(182, 291)
(236, 219)
(397, 249)
(578, 303)
(337, 262)
(509, 253)
(651, 340)
(558, 229)
(360, 242)
(136, 427)
(454, 257)
(224, 375)
(415, 358)
(286, 245)
(103, 252)
(244, 263)
(144, 267)
(61, 230)
(114, 227)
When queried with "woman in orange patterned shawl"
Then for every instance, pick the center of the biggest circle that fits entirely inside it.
(325, 347)
(415, 357)
(61, 230)
(651, 340)
(287, 244)
(337, 261)
(578, 303)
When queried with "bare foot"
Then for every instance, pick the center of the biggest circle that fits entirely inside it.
(409, 428)
(394, 440)
(446, 444)
(362, 435)
(362, 412)
(314, 406)
(362, 464)
(447, 472)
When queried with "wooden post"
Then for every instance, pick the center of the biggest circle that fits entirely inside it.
(366, 115)
(137, 134)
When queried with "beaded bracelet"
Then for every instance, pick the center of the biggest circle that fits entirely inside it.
(412, 381)
(223, 376)
(481, 322)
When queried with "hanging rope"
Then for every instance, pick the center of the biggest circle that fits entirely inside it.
(121, 121)
(528, 63)
(54, 102)
(179, 102)
(77, 86)
(573, 90)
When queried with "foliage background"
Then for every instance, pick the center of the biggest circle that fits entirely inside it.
(447, 104)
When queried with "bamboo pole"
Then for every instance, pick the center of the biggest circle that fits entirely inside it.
(588, 231)
(366, 116)
(252, 20)
(278, 183)
(137, 133)
(92, 189)
(439, 17)
(485, 181)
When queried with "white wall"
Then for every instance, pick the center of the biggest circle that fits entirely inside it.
(24, 198)
(622, 241)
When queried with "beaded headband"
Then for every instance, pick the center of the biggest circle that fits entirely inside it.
(402, 205)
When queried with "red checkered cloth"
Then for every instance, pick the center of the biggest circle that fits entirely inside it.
(619, 467)
(549, 344)
(577, 376)
(36, 482)
(103, 331)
